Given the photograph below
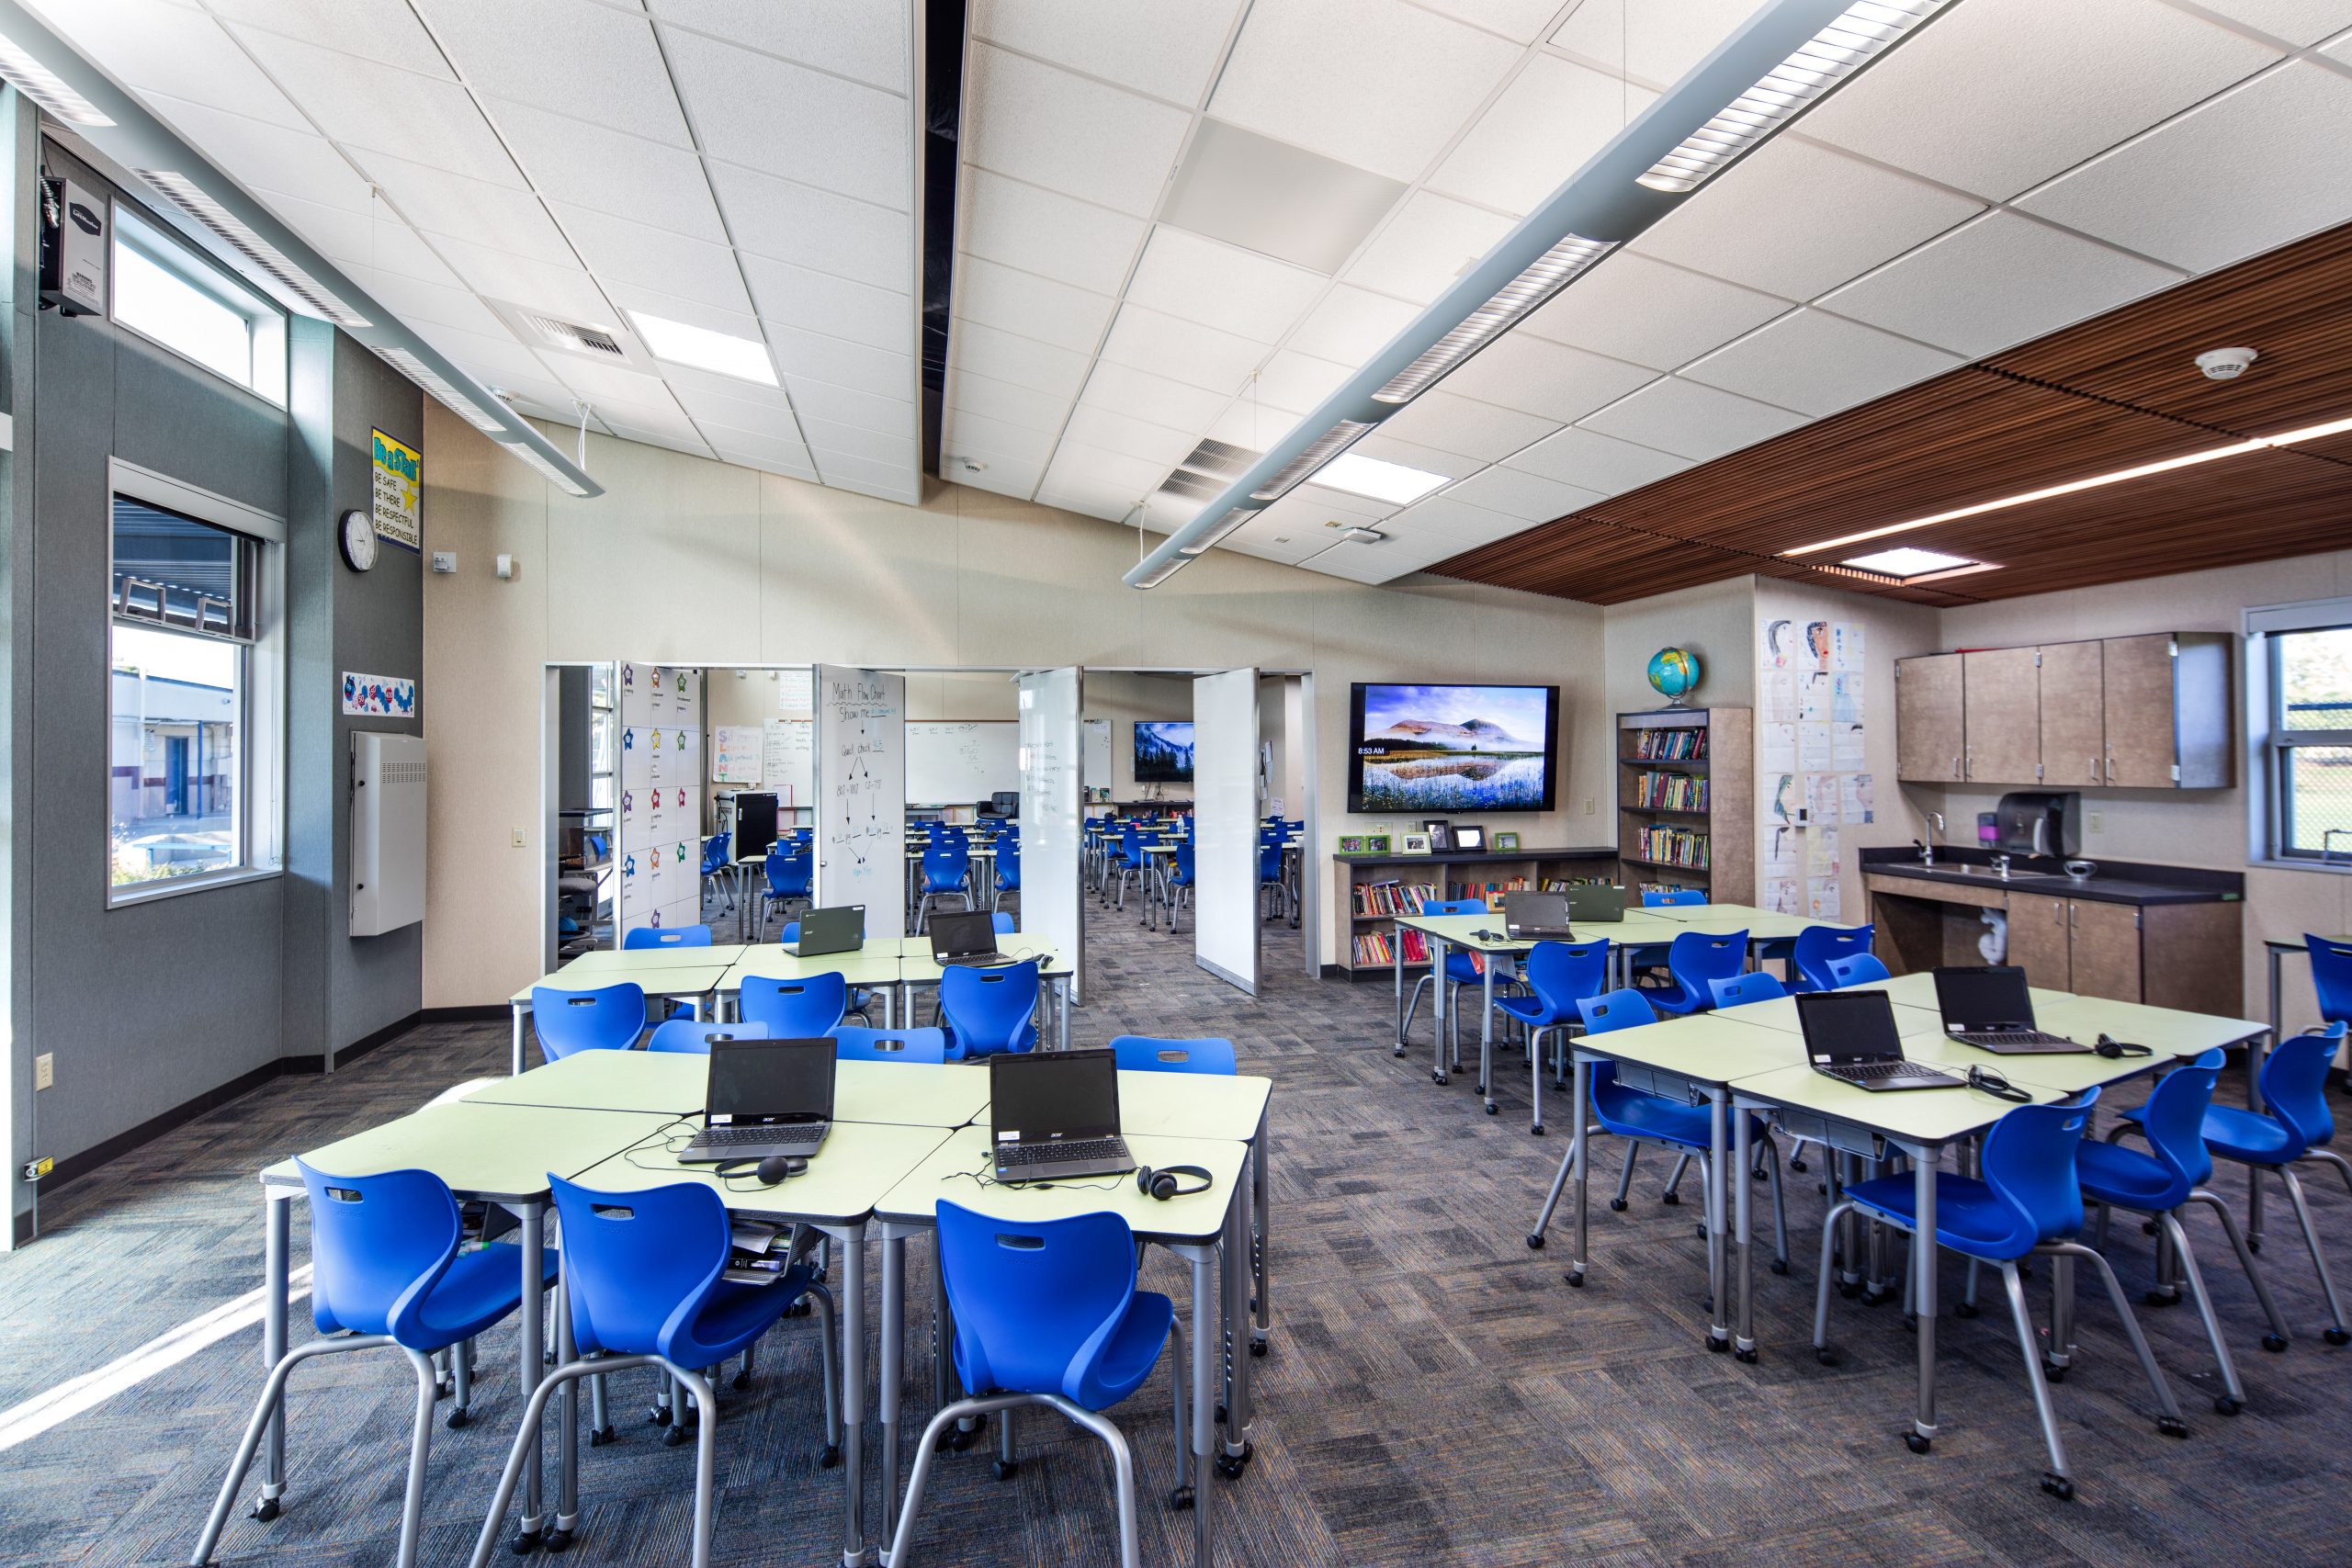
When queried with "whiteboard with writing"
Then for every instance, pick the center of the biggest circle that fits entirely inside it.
(860, 791)
(787, 760)
(1098, 753)
(961, 761)
(735, 754)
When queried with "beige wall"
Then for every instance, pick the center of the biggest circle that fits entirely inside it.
(1715, 622)
(690, 561)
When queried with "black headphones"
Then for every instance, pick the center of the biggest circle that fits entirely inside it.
(2111, 1048)
(1987, 1081)
(1168, 1181)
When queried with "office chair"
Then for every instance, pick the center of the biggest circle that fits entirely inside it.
(946, 873)
(1558, 974)
(792, 879)
(2331, 977)
(861, 1002)
(1180, 887)
(1152, 1054)
(1693, 959)
(714, 863)
(1008, 869)
(609, 1018)
(1673, 897)
(1816, 945)
(989, 1012)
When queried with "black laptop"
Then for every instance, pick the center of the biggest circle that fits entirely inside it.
(1536, 917)
(840, 929)
(969, 941)
(766, 1097)
(1054, 1115)
(1989, 1006)
(1851, 1036)
(1601, 901)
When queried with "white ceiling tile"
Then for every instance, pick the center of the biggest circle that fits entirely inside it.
(2340, 51)
(1818, 364)
(1691, 421)
(1554, 114)
(1041, 308)
(586, 166)
(966, 434)
(1529, 497)
(613, 385)
(1373, 564)
(684, 380)
(1255, 426)
(1035, 122)
(1413, 454)
(484, 358)
(1077, 463)
(1965, 104)
(814, 228)
(385, 30)
(572, 56)
(1046, 233)
(1269, 539)
(821, 303)
(1293, 380)
(782, 118)
(259, 154)
(1636, 309)
(1431, 241)
(1795, 219)
(875, 445)
(1374, 82)
(2297, 21)
(1154, 443)
(1449, 517)
(334, 231)
(666, 419)
(848, 470)
(1595, 462)
(1003, 400)
(1201, 355)
(1200, 280)
(1521, 21)
(1656, 40)
(618, 251)
(641, 301)
(842, 363)
(1168, 48)
(393, 246)
(688, 443)
(1351, 325)
(157, 46)
(565, 291)
(1536, 376)
(1307, 512)
(846, 405)
(1004, 476)
(1995, 281)
(415, 301)
(783, 454)
(1087, 498)
(495, 217)
(544, 397)
(1453, 423)
(739, 412)
(1139, 394)
(855, 38)
(2265, 163)
(363, 104)
(1024, 362)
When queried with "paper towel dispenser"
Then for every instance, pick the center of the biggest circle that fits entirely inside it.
(2040, 822)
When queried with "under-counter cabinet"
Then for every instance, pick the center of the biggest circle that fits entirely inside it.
(2076, 945)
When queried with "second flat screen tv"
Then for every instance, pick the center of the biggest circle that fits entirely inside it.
(1455, 748)
(1163, 750)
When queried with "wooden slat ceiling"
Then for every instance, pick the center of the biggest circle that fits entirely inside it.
(2113, 392)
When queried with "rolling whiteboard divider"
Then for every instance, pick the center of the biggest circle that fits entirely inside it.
(861, 793)
(1098, 753)
(1224, 826)
(1052, 815)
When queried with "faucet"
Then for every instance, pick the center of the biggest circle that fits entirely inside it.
(1932, 823)
(2001, 867)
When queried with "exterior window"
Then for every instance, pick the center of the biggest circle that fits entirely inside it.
(164, 292)
(2310, 743)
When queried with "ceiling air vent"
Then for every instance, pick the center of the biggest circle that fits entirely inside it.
(574, 337)
(606, 344)
(1208, 468)
(265, 258)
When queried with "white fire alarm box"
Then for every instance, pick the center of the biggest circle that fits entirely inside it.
(387, 832)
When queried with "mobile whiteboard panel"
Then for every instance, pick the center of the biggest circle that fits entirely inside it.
(789, 760)
(1098, 753)
(861, 788)
(1224, 826)
(957, 763)
(1053, 906)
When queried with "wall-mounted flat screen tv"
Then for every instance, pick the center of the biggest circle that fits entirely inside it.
(1163, 750)
(1454, 748)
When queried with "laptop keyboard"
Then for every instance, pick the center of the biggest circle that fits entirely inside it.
(1054, 1153)
(1872, 1071)
(731, 1137)
(2012, 1037)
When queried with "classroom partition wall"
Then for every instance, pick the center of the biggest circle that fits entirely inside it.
(1052, 811)
(1224, 826)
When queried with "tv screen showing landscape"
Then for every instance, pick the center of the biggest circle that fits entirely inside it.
(1454, 748)
(1163, 750)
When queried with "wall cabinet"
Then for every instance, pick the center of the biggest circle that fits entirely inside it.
(2148, 712)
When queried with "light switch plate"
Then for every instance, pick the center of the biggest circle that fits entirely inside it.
(2096, 822)
(521, 839)
(44, 1070)
(445, 561)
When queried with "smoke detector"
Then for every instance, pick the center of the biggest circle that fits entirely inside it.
(2225, 363)
(1350, 534)
(969, 465)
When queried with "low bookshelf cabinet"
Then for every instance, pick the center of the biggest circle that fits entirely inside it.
(1371, 891)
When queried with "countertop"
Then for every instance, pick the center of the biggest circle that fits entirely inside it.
(2138, 884)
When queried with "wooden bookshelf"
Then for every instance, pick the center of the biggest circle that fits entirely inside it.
(1487, 873)
(1666, 837)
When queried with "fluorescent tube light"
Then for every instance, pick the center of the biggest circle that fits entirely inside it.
(554, 474)
(1906, 560)
(1164, 570)
(705, 350)
(1319, 451)
(433, 381)
(45, 87)
(1552, 272)
(1866, 28)
(1360, 475)
(1233, 518)
(271, 262)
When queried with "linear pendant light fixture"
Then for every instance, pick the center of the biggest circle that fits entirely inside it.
(1777, 64)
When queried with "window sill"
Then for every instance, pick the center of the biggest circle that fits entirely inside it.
(2298, 862)
(178, 886)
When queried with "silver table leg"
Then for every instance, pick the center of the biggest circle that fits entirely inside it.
(1437, 1006)
(1205, 1382)
(1743, 1230)
(519, 1009)
(277, 1223)
(851, 1254)
(1261, 1201)
(1580, 1094)
(894, 1334)
(1486, 1029)
(1236, 1271)
(530, 1357)
(1923, 1160)
(567, 1442)
(1718, 1297)
(1396, 969)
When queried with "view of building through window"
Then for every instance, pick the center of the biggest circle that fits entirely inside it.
(2312, 736)
(173, 786)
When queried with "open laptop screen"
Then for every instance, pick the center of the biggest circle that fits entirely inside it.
(1983, 998)
(1841, 1027)
(1038, 1097)
(1535, 911)
(759, 1083)
(962, 936)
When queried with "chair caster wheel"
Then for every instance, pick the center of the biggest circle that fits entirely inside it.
(801, 1308)
(658, 1417)
(829, 1456)
(524, 1544)
(1575, 1277)
(1535, 1241)
(1747, 1355)
(675, 1438)
(556, 1540)
(2147, 1227)
(1491, 1108)
(1850, 1289)
(1616, 1205)
(1717, 1347)
(741, 1380)
(1258, 1347)
(1916, 1443)
(2338, 1335)
(265, 1510)
(599, 1435)
(2227, 1406)
(1181, 1499)
(1536, 1131)
(1798, 1166)
(1780, 1266)
(1965, 1309)
(1006, 1469)
(2162, 1298)
(442, 1388)
(1437, 1077)
(457, 1419)
(2058, 1486)
(2052, 1374)
(1400, 1050)
(1671, 1199)
(1825, 1355)
(2273, 1343)
(1874, 1297)
(1231, 1466)
(2171, 1427)
(2254, 1243)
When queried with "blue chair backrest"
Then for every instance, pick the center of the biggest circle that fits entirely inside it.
(1672, 897)
(597, 844)
(990, 1009)
(791, 873)
(632, 1260)
(714, 854)
(1564, 972)
(2174, 1121)
(2028, 1161)
(790, 933)
(795, 1009)
(2331, 977)
(1618, 1009)
(1131, 843)
(1696, 957)
(1152, 1054)
(609, 1018)
(1455, 907)
(378, 1244)
(1816, 945)
(1269, 861)
(1857, 969)
(854, 1044)
(1737, 990)
(1034, 1302)
(1008, 863)
(2294, 1086)
(945, 863)
(1002, 923)
(1183, 875)
(691, 1037)
(666, 936)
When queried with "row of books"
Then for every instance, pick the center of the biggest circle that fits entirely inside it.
(1670, 791)
(1489, 893)
(1673, 846)
(1670, 745)
(1377, 948)
(1562, 883)
(1393, 898)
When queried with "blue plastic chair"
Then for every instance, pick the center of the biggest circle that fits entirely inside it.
(2160, 1182)
(665, 936)
(946, 873)
(861, 1000)
(1152, 1053)
(792, 879)
(1002, 923)
(1738, 990)
(1558, 974)
(1856, 969)
(795, 1009)
(1692, 960)
(1270, 872)
(1673, 897)
(1128, 859)
(716, 855)
(1007, 868)
(989, 1012)
(2026, 1203)
(2331, 977)
(854, 1044)
(644, 1287)
(1048, 1313)
(1816, 945)
(691, 1037)
(386, 1270)
(1461, 970)
(609, 1018)
(1180, 884)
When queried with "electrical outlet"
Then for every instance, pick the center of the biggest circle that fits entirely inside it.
(1589, 808)
(2097, 822)
(521, 837)
(44, 1070)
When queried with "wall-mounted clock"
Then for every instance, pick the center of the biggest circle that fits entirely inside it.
(357, 538)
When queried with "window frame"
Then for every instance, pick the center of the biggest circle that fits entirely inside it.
(259, 789)
(266, 329)
(2270, 743)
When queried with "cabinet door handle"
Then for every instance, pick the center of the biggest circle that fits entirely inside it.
(2071, 910)
(1955, 765)
(2094, 770)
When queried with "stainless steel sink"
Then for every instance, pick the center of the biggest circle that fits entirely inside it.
(1986, 874)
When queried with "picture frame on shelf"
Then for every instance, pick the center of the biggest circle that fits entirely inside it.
(1351, 843)
(1377, 843)
(1470, 839)
(1440, 832)
(1413, 844)
(1506, 843)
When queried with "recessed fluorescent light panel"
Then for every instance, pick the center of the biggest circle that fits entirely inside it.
(1360, 475)
(705, 350)
(1907, 564)
(45, 87)
(1835, 52)
(1552, 272)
